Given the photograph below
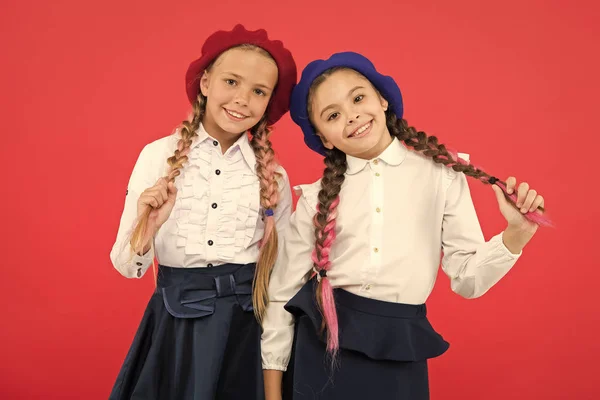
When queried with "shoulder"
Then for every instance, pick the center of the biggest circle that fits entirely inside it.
(450, 174)
(163, 147)
(283, 181)
(152, 159)
(309, 193)
(423, 165)
(282, 174)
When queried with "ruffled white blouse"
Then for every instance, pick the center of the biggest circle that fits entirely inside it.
(217, 217)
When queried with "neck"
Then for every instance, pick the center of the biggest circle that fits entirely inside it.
(225, 139)
(379, 148)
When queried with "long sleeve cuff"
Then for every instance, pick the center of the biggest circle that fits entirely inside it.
(130, 264)
(490, 263)
(277, 337)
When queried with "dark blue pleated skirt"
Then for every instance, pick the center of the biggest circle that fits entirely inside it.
(198, 339)
(383, 354)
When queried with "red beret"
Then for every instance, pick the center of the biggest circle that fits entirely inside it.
(220, 41)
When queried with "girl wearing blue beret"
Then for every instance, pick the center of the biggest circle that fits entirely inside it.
(347, 316)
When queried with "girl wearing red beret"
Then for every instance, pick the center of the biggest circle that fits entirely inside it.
(207, 202)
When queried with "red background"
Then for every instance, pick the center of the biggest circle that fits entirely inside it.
(86, 85)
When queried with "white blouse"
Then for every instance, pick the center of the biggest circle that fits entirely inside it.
(217, 217)
(396, 215)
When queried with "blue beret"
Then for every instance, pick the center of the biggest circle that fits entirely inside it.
(299, 100)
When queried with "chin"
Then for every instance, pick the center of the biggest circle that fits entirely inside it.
(233, 127)
(367, 146)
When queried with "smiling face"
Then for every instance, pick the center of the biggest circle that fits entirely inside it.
(349, 114)
(238, 88)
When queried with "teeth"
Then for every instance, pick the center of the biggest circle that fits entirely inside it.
(236, 114)
(361, 130)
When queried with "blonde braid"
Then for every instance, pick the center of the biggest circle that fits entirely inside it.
(141, 234)
(266, 167)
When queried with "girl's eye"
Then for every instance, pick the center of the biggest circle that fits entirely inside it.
(358, 98)
(230, 82)
(333, 116)
(259, 92)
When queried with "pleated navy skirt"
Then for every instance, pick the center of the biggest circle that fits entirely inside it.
(198, 339)
(384, 348)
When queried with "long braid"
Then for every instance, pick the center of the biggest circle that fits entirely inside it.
(266, 167)
(141, 233)
(429, 146)
(325, 223)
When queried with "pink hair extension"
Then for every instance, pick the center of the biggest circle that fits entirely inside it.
(330, 314)
(323, 265)
(532, 216)
(459, 159)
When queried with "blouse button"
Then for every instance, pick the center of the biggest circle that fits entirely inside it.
(210, 242)
(215, 143)
(376, 250)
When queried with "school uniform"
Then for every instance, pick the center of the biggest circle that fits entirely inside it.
(198, 338)
(397, 214)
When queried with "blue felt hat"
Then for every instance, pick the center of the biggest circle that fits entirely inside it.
(299, 107)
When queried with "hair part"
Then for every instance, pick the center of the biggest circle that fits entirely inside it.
(313, 89)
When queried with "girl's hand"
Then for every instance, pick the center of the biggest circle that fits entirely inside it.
(520, 230)
(161, 199)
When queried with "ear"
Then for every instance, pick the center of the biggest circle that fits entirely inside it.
(326, 143)
(204, 83)
(384, 104)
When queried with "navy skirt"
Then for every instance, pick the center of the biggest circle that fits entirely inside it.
(198, 339)
(383, 354)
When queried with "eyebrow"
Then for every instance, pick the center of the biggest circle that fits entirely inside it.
(333, 105)
(262, 85)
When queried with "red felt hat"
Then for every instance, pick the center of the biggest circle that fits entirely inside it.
(220, 41)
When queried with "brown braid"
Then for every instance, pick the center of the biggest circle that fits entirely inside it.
(429, 146)
(269, 197)
(331, 185)
(325, 221)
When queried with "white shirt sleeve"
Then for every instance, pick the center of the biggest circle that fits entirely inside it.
(472, 264)
(283, 210)
(129, 264)
(289, 274)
